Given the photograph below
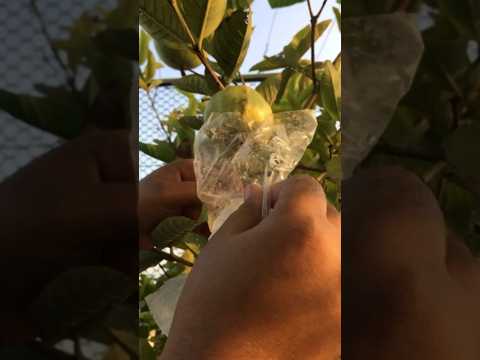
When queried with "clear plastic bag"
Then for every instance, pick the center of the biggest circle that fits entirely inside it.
(231, 153)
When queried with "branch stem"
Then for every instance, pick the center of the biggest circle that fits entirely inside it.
(196, 45)
(208, 67)
(313, 33)
(155, 111)
(175, 258)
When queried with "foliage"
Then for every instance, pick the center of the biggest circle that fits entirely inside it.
(101, 43)
(436, 127)
(97, 58)
(295, 84)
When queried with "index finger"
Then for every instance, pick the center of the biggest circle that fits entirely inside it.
(183, 168)
(301, 195)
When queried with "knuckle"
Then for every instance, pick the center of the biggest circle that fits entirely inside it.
(304, 182)
(302, 228)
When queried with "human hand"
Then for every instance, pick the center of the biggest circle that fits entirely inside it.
(411, 289)
(74, 206)
(168, 191)
(265, 289)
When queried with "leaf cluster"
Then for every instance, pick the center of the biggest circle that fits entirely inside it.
(435, 130)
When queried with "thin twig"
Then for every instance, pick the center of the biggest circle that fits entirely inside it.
(310, 9)
(194, 253)
(165, 271)
(173, 4)
(242, 79)
(70, 77)
(313, 34)
(194, 72)
(436, 169)
(120, 343)
(208, 67)
(157, 115)
(154, 108)
(195, 44)
(308, 168)
(175, 258)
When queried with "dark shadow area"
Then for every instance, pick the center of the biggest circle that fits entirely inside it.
(411, 197)
(68, 179)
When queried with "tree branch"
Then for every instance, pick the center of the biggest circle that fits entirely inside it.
(173, 257)
(208, 67)
(154, 108)
(196, 45)
(313, 33)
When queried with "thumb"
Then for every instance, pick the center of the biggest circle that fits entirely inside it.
(248, 215)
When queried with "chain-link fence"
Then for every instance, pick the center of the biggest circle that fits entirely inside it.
(155, 105)
(165, 99)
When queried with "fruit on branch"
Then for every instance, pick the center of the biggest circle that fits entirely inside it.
(241, 99)
(177, 55)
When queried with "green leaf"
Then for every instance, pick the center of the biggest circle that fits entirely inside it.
(285, 78)
(172, 230)
(158, 18)
(234, 5)
(406, 128)
(464, 15)
(270, 63)
(301, 42)
(193, 103)
(334, 168)
(161, 150)
(270, 87)
(59, 113)
(196, 239)
(150, 68)
(194, 84)
(338, 17)
(79, 44)
(194, 122)
(202, 16)
(297, 91)
(230, 43)
(146, 351)
(77, 297)
(143, 47)
(457, 204)
(463, 151)
(332, 191)
(331, 91)
(282, 3)
(311, 159)
(147, 259)
(162, 19)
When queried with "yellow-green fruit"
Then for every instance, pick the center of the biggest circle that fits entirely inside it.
(241, 99)
(177, 55)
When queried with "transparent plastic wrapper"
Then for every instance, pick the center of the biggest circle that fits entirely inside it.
(231, 153)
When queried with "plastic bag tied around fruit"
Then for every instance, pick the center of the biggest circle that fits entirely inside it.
(231, 152)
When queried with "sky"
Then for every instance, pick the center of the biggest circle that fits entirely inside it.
(286, 23)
